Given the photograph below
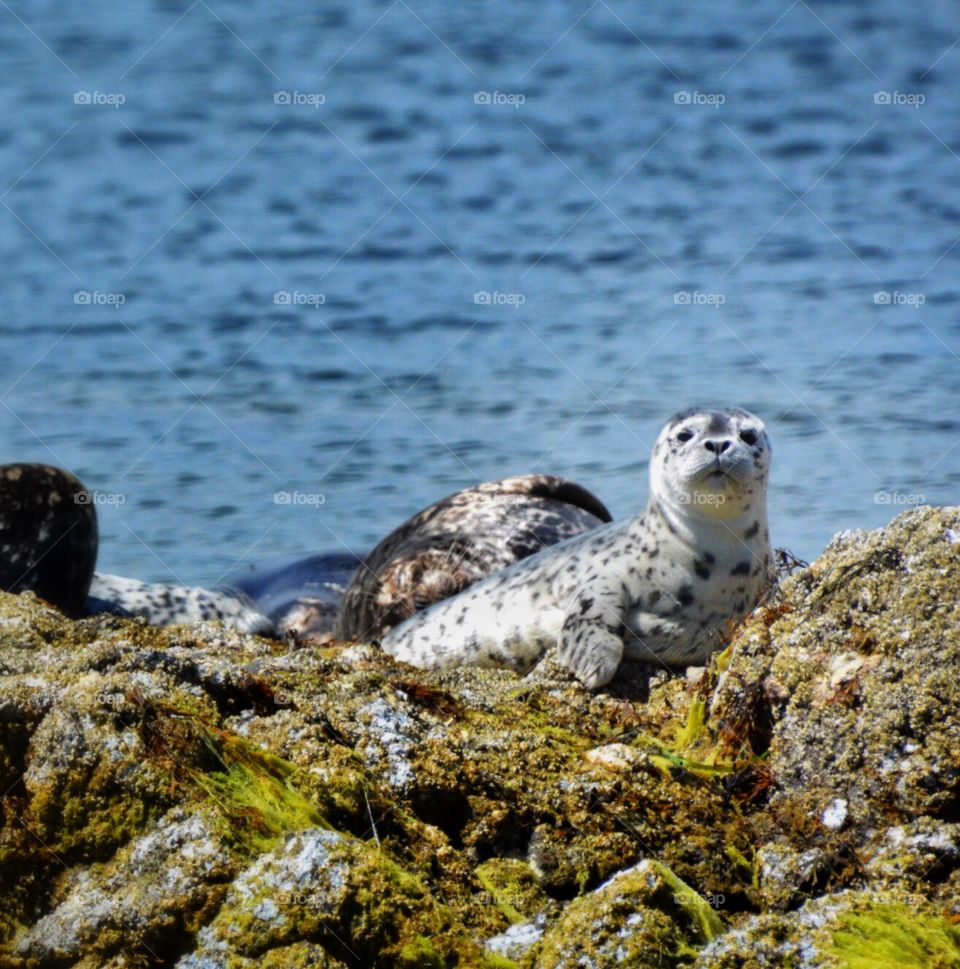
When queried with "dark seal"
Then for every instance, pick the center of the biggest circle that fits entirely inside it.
(300, 597)
(48, 535)
(458, 541)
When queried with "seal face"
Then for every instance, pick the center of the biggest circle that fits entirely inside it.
(659, 587)
(458, 541)
(48, 534)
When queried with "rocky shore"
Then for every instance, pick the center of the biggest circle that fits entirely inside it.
(198, 798)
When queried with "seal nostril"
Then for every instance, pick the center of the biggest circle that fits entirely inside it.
(716, 447)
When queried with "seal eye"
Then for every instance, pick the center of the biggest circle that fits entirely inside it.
(684, 436)
(748, 437)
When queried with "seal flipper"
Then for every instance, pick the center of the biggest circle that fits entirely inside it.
(566, 492)
(591, 640)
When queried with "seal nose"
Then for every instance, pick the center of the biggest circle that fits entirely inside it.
(717, 447)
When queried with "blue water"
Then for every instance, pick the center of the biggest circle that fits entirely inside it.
(581, 193)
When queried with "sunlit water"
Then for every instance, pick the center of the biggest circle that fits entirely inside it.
(479, 285)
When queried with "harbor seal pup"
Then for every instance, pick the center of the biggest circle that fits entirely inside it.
(48, 535)
(458, 541)
(660, 586)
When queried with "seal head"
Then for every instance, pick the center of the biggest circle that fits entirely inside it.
(712, 464)
(48, 535)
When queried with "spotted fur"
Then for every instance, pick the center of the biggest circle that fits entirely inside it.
(162, 603)
(458, 541)
(659, 587)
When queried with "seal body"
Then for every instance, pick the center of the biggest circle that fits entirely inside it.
(163, 603)
(458, 541)
(659, 587)
(300, 597)
(48, 534)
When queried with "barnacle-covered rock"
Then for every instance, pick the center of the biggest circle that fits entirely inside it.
(199, 797)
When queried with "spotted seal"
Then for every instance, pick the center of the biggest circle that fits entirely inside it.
(436, 553)
(660, 586)
(48, 534)
(300, 596)
(459, 540)
(48, 543)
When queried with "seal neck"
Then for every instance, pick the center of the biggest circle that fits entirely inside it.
(693, 530)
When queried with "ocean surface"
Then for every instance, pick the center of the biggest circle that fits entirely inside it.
(277, 275)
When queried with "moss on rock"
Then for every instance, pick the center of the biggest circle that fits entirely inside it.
(199, 797)
(644, 916)
(856, 683)
(849, 930)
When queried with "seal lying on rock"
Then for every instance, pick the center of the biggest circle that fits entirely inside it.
(48, 535)
(660, 586)
(459, 540)
(300, 597)
(439, 551)
(48, 543)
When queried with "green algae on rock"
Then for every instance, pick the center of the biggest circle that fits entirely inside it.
(340, 892)
(197, 797)
(849, 930)
(643, 917)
